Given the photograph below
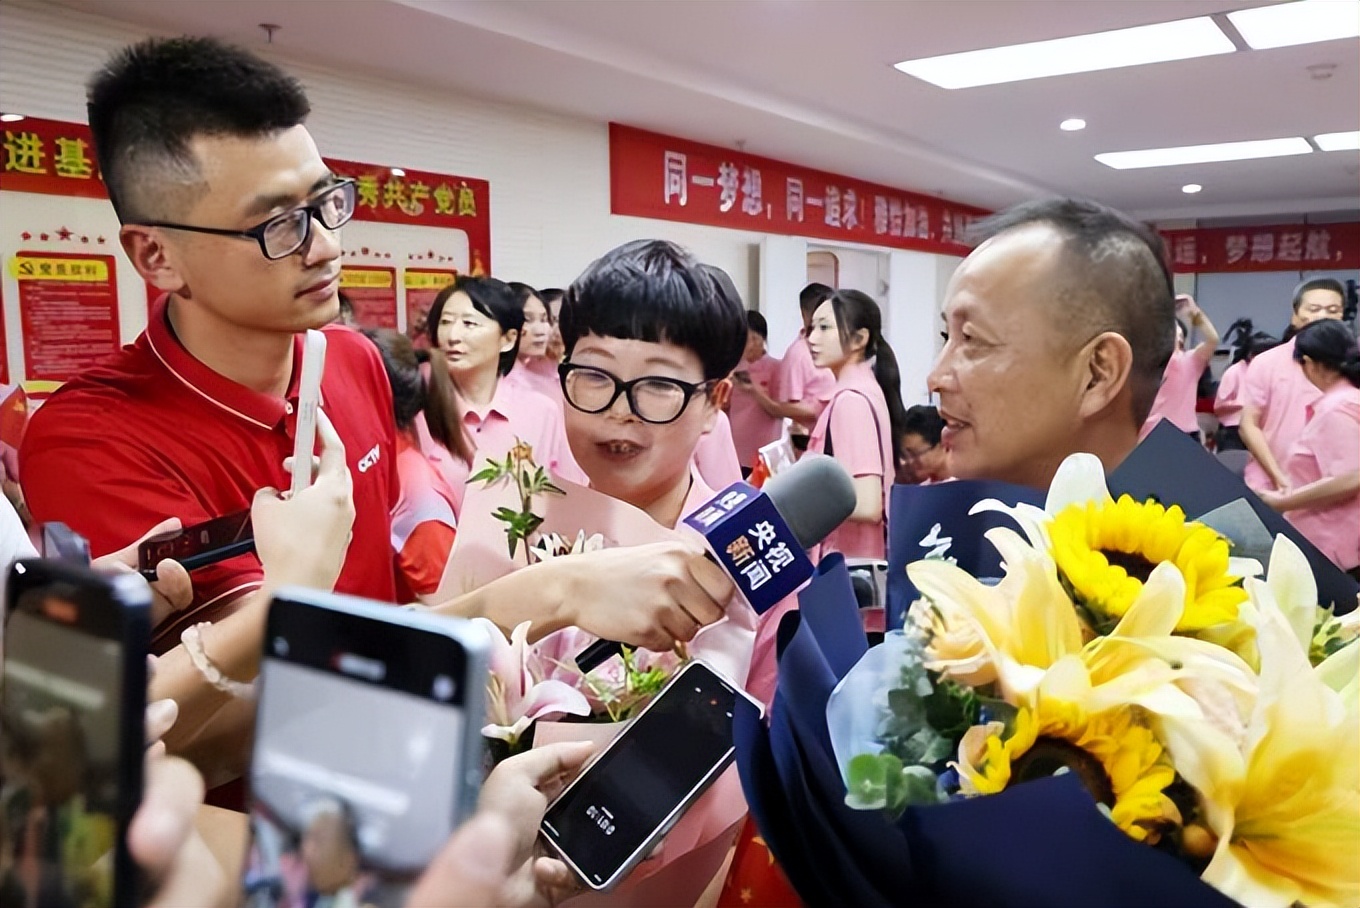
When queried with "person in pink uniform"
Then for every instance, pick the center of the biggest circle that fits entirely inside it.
(715, 457)
(424, 521)
(650, 340)
(803, 389)
(1323, 465)
(535, 369)
(864, 417)
(1277, 392)
(752, 426)
(1228, 399)
(1175, 400)
(476, 323)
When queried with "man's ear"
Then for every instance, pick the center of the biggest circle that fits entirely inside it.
(717, 399)
(1108, 363)
(146, 249)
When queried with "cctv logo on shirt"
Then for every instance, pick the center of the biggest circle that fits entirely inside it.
(370, 460)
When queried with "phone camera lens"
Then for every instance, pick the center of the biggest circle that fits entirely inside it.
(443, 687)
(280, 646)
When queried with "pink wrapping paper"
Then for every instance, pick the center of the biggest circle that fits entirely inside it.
(693, 852)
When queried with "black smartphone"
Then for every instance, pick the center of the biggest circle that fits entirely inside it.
(199, 545)
(613, 814)
(368, 748)
(72, 723)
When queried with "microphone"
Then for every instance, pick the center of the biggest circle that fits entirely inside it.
(761, 536)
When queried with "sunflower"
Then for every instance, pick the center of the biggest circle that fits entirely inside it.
(1105, 551)
(1114, 753)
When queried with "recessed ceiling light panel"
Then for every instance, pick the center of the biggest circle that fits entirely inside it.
(1338, 141)
(1191, 188)
(11, 118)
(1072, 124)
(1204, 154)
(1301, 22)
(1158, 43)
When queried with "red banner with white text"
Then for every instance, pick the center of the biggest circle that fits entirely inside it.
(657, 176)
(1280, 247)
(57, 158)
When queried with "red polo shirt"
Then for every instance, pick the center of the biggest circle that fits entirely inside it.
(152, 433)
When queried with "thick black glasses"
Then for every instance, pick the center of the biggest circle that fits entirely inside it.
(652, 398)
(284, 234)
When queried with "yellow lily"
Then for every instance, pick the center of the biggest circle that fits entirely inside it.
(1285, 805)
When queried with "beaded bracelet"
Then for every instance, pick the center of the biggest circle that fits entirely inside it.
(192, 638)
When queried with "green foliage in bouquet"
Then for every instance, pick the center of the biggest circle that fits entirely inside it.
(530, 480)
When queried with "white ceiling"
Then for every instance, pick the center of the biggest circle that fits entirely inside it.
(811, 81)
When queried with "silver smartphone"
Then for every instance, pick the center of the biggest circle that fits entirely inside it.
(612, 816)
(368, 748)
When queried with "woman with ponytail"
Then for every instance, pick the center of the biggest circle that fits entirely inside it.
(864, 418)
(1323, 466)
(424, 521)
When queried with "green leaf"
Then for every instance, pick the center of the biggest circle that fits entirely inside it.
(869, 775)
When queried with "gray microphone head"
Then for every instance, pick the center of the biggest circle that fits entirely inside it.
(814, 496)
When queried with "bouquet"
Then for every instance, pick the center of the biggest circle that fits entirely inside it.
(536, 693)
(1210, 712)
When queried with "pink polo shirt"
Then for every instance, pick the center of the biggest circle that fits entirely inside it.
(1276, 385)
(1228, 401)
(857, 421)
(537, 374)
(1328, 446)
(752, 427)
(423, 522)
(715, 457)
(800, 381)
(514, 412)
(1176, 394)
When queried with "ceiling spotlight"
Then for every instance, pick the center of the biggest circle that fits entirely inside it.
(1072, 124)
(397, 172)
(11, 118)
(1191, 188)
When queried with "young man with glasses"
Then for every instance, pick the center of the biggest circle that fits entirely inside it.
(228, 209)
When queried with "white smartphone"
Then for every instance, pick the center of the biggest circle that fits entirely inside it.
(614, 813)
(309, 398)
(368, 748)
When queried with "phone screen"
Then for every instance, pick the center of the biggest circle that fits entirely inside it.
(356, 777)
(649, 774)
(60, 721)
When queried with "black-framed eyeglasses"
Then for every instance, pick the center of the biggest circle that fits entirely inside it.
(652, 398)
(284, 234)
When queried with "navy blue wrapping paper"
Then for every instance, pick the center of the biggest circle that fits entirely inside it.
(1042, 843)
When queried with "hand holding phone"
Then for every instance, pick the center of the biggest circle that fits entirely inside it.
(199, 545)
(309, 399)
(302, 539)
(612, 816)
(71, 730)
(367, 746)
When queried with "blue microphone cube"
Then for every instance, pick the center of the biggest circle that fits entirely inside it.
(753, 544)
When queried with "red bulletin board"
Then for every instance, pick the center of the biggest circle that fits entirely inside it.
(373, 291)
(1280, 247)
(657, 176)
(57, 158)
(68, 304)
(422, 286)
